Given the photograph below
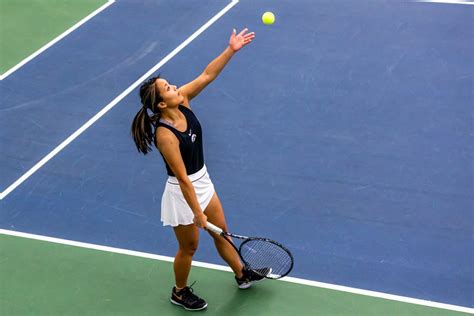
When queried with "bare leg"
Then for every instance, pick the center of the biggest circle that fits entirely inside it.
(215, 215)
(188, 239)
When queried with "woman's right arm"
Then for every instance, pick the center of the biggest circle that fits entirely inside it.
(168, 145)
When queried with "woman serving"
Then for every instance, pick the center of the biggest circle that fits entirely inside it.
(189, 199)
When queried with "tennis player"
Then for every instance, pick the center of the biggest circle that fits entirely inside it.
(189, 199)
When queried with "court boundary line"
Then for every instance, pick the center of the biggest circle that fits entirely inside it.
(56, 39)
(340, 288)
(448, 1)
(115, 101)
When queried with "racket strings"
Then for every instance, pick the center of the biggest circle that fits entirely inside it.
(263, 254)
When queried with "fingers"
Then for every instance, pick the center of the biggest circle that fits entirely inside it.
(252, 35)
(232, 36)
(237, 41)
(249, 37)
(248, 41)
(243, 32)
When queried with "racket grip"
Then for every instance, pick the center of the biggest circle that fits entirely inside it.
(213, 228)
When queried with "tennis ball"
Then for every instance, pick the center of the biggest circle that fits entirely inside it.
(268, 18)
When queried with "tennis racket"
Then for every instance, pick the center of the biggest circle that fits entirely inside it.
(264, 256)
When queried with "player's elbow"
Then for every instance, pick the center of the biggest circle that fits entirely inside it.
(185, 185)
(183, 179)
(208, 77)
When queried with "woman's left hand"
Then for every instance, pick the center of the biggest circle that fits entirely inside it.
(237, 41)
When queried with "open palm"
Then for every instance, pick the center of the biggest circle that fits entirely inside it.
(237, 41)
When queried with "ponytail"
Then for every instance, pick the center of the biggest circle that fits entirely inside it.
(142, 126)
(142, 132)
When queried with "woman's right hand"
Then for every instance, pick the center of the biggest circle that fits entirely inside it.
(200, 220)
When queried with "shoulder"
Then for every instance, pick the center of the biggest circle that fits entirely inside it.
(164, 137)
(185, 109)
(185, 102)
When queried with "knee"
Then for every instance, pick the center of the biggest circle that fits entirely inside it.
(189, 248)
(217, 238)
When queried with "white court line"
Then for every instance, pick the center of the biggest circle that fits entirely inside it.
(449, 1)
(54, 41)
(170, 259)
(335, 287)
(114, 102)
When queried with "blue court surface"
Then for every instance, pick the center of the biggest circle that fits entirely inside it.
(345, 130)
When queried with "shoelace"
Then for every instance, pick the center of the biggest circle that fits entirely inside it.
(187, 293)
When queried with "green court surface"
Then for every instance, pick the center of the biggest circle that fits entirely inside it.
(43, 278)
(27, 25)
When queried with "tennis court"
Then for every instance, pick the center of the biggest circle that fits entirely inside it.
(344, 131)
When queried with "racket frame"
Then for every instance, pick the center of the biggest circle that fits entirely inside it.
(218, 231)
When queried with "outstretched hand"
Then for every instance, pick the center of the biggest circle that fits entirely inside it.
(237, 41)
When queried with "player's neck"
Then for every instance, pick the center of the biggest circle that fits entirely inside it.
(172, 115)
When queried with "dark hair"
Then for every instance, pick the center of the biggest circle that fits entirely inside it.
(142, 125)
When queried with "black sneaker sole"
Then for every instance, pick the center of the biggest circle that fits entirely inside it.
(187, 308)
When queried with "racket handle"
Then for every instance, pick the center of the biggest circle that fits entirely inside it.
(213, 228)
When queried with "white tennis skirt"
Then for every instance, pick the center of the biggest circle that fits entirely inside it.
(174, 208)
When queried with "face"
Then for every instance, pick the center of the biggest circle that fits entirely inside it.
(170, 94)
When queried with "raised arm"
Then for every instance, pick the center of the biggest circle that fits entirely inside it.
(236, 42)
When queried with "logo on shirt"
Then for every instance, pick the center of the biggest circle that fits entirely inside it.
(193, 136)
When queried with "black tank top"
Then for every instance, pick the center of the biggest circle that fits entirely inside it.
(190, 142)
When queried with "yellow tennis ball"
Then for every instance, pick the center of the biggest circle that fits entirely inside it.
(268, 18)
